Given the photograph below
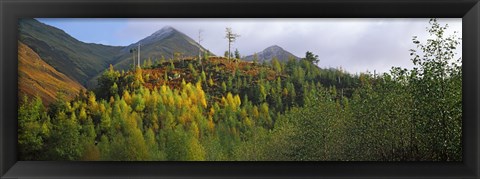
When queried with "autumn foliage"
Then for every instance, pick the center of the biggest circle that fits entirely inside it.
(223, 110)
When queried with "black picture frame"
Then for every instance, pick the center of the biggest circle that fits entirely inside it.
(468, 10)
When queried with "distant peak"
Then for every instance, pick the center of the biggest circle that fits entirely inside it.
(167, 27)
(165, 30)
(274, 47)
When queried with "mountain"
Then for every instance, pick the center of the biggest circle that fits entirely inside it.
(270, 52)
(35, 77)
(164, 42)
(78, 60)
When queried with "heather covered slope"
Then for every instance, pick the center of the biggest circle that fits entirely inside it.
(37, 78)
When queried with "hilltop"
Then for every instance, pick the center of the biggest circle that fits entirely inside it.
(271, 52)
(217, 75)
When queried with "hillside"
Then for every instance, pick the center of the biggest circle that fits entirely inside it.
(271, 52)
(35, 77)
(218, 69)
(219, 75)
(78, 60)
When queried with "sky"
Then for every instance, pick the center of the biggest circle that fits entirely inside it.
(355, 45)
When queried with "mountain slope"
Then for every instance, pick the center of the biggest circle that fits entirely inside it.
(35, 77)
(270, 52)
(78, 60)
(164, 42)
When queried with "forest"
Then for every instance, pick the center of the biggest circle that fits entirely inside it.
(218, 109)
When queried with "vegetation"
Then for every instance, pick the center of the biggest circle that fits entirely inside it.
(221, 110)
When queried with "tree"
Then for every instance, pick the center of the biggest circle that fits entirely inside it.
(206, 55)
(312, 58)
(147, 63)
(33, 129)
(203, 77)
(276, 65)
(65, 138)
(231, 37)
(255, 58)
(384, 136)
(237, 54)
(224, 87)
(192, 69)
(108, 83)
(200, 39)
(132, 51)
(178, 56)
(436, 83)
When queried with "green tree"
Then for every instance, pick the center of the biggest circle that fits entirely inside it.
(436, 89)
(276, 65)
(237, 54)
(312, 58)
(255, 58)
(108, 83)
(33, 129)
(65, 141)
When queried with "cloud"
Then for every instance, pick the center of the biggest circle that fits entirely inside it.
(356, 45)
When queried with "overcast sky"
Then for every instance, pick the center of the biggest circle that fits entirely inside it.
(356, 45)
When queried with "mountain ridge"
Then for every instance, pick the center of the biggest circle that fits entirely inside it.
(78, 60)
